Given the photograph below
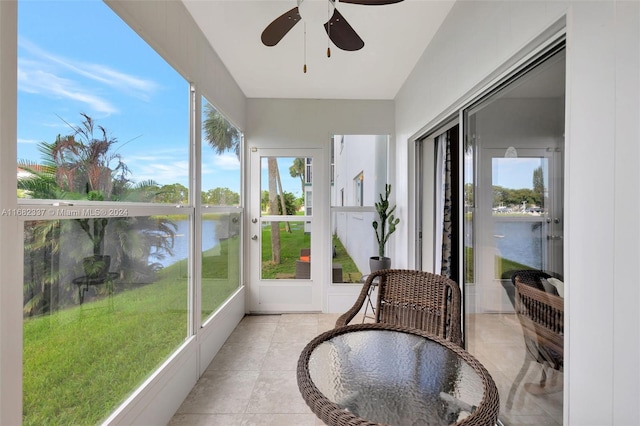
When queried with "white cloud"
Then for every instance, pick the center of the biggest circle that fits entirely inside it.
(226, 161)
(28, 141)
(158, 156)
(127, 83)
(163, 173)
(32, 80)
(43, 72)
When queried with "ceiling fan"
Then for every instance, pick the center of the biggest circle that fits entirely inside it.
(338, 29)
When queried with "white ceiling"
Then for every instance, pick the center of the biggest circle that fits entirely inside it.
(395, 36)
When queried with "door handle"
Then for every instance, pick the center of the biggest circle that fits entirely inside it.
(254, 237)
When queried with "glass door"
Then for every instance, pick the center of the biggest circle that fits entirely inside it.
(285, 248)
(519, 221)
(512, 157)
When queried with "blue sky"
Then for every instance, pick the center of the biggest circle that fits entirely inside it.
(79, 56)
(516, 173)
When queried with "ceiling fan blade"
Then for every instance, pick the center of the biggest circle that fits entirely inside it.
(342, 34)
(371, 2)
(280, 27)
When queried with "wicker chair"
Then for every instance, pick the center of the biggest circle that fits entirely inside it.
(541, 316)
(414, 299)
(532, 277)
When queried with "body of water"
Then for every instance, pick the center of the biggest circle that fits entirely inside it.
(519, 241)
(181, 241)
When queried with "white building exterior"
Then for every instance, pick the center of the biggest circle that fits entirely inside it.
(359, 176)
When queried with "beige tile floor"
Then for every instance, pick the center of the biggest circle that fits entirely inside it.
(252, 380)
(496, 341)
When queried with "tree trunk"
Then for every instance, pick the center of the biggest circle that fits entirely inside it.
(273, 206)
(282, 202)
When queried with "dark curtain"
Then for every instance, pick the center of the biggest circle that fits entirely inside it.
(450, 231)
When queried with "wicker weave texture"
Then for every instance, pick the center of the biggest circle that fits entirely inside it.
(414, 299)
(486, 414)
(542, 318)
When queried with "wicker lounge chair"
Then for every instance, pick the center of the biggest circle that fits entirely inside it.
(541, 316)
(414, 299)
(533, 277)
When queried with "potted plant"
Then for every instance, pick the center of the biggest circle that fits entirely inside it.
(384, 227)
(97, 265)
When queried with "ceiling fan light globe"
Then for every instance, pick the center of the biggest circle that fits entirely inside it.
(315, 11)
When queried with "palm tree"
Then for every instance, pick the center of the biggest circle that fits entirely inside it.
(297, 169)
(81, 166)
(219, 133)
(85, 162)
(222, 137)
(41, 261)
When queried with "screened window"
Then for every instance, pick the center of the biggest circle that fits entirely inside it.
(105, 132)
(220, 223)
(220, 158)
(94, 124)
(360, 176)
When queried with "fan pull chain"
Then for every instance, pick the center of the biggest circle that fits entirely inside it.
(304, 69)
(329, 29)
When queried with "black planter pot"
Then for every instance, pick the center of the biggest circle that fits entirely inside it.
(377, 263)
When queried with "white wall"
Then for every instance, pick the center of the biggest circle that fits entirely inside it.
(10, 275)
(521, 123)
(311, 123)
(477, 41)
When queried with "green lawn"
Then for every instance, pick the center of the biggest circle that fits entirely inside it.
(290, 245)
(82, 362)
(504, 266)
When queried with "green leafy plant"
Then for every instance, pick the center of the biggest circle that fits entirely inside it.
(387, 223)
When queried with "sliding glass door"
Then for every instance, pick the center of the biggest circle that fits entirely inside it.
(513, 221)
(517, 222)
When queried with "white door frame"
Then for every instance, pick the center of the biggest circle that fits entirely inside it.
(286, 295)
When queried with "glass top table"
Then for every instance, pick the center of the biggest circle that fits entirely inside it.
(369, 374)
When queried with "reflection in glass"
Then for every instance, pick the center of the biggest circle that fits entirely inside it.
(105, 303)
(220, 259)
(518, 215)
(513, 229)
(469, 209)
